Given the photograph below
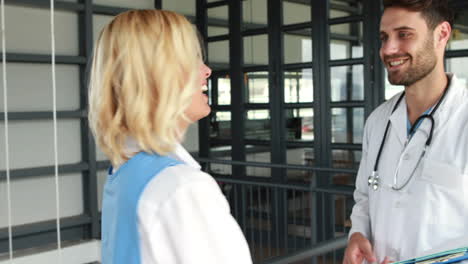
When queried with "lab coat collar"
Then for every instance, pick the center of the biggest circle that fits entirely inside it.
(456, 93)
(455, 96)
(179, 153)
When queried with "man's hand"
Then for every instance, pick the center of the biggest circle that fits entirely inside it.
(359, 248)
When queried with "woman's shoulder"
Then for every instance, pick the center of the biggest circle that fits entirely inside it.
(172, 180)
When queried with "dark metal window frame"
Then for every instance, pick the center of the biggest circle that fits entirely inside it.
(316, 65)
(374, 95)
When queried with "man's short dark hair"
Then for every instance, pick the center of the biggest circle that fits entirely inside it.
(433, 11)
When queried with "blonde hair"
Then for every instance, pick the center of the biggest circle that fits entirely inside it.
(144, 72)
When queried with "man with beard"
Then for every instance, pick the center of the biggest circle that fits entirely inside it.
(412, 186)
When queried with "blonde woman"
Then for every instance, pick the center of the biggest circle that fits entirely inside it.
(146, 87)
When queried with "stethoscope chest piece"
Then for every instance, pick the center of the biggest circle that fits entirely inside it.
(373, 180)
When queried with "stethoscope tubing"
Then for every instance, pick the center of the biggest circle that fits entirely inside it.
(374, 175)
(395, 177)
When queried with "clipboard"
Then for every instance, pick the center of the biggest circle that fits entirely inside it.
(444, 257)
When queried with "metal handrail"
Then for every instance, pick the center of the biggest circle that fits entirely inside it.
(330, 189)
(319, 249)
(275, 165)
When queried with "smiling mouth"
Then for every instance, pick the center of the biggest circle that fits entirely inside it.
(204, 88)
(396, 63)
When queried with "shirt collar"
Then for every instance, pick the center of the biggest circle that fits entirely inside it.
(409, 125)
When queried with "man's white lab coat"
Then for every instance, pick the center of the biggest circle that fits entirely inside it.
(431, 212)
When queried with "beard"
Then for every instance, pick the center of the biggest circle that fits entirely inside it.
(422, 63)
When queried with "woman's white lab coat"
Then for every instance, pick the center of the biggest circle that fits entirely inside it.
(183, 217)
(431, 212)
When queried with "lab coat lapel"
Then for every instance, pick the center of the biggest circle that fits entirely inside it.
(398, 122)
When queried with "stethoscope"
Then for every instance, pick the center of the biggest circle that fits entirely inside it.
(374, 180)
